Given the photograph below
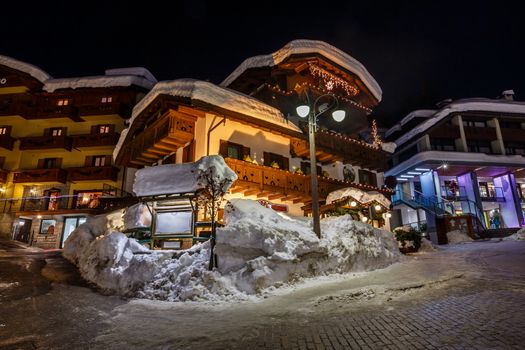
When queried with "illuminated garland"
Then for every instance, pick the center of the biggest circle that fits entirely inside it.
(376, 139)
(331, 81)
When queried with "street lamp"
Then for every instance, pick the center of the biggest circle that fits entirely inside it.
(303, 111)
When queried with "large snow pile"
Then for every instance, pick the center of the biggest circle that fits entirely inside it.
(183, 178)
(458, 236)
(137, 216)
(256, 249)
(114, 262)
(518, 236)
(426, 246)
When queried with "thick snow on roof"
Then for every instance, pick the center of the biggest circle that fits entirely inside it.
(296, 47)
(137, 71)
(474, 104)
(182, 178)
(33, 71)
(420, 113)
(98, 81)
(214, 95)
(359, 195)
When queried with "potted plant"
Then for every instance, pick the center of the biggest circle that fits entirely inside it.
(409, 239)
(274, 164)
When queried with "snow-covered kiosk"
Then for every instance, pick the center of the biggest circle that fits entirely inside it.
(170, 196)
(249, 119)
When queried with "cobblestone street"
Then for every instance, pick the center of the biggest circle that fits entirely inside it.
(468, 296)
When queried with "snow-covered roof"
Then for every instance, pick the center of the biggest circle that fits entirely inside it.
(183, 178)
(359, 195)
(113, 77)
(215, 95)
(419, 113)
(464, 105)
(296, 47)
(33, 71)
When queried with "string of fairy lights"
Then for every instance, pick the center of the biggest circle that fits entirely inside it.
(331, 81)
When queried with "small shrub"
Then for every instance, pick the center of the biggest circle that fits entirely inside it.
(405, 235)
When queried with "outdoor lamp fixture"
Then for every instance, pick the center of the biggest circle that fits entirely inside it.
(364, 219)
(312, 113)
(377, 207)
(353, 203)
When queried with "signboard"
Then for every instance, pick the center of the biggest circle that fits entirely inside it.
(170, 223)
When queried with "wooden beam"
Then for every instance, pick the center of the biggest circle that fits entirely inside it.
(276, 196)
(263, 194)
(237, 189)
(250, 192)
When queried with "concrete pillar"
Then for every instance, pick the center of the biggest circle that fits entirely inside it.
(470, 182)
(429, 189)
(424, 144)
(497, 145)
(510, 209)
(461, 143)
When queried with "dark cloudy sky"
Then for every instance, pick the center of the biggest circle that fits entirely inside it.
(420, 52)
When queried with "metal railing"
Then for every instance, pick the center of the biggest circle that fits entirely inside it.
(492, 194)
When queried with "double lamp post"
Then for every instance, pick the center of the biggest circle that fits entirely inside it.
(313, 113)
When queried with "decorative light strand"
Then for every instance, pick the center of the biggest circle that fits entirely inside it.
(332, 81)
(376, 139)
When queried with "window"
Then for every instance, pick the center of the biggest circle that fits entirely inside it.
(56, 131)
(407, 154)
(3, 130)
(367, 177)
(477, 146)
(63, 102)
(515, 148)
(233, 150)
(504, 124)
(276, 161)
(106, 99)
(476, 124)
(439, 144)
(99, 160)
(103, 129)
(49, 163)
(305, 167)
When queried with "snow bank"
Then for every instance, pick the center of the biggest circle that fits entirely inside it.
(518, 236)
(458, 236)
(389, 147)
(426, 246)
(257, 248)
(183, 178)
(359, 195)
(137, 216)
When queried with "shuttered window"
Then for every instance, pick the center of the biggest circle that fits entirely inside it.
(270, 159)
(229, 149)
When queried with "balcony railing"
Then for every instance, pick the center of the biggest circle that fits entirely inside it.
(274, 183)
(493, 194)
(7, 142)
(93, 173)
(46, 142)
(3, 175)
(451, 193)
(103, 109)
(92, 140)
(40, 175)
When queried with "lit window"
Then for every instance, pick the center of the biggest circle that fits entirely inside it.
(3, 130)
(106, 99)
(56, 131)
(99, 160)
(64, 102)
(103, 129)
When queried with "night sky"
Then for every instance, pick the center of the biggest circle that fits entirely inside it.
(420, 53)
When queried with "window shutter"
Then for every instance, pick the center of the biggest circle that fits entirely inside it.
(107, 162)
(64, 131)
(41, 163)
(2, 161)
(89, 161)
(94, 129)
(266, 156)
(286, 163)
(223, 148)
(47, 132)
(373, 179)
(112, 128)
(58, 162)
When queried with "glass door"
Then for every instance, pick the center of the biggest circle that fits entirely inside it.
(70, 224)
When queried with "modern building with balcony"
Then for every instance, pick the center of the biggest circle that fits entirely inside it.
(57, 137)
(461, 166)
(250, 120)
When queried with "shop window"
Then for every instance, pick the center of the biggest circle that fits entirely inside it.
(233, 150)
(87, 199)
(367, 177)
(106, 99)
(276, 161)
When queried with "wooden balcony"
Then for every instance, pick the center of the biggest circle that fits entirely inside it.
(92, 173)
(332, 146)
(40, 175)
(104, 109)
(93, 140)
(270, 183)
(166, 135)
(3, 176)
(46, 142)
(7, 142)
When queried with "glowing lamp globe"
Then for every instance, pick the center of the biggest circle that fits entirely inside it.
(353, 203)
(377, 207)
(388, 215)
(339, 115)
(364, 219)
(302, 111)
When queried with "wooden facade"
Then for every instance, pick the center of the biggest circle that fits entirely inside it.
(40, 175)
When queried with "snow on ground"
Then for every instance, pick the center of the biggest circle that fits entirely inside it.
(257, 249)
(183, 178)
(518, 236)
(364, 197)
(458, 236)
(426, 246)
(137, 216)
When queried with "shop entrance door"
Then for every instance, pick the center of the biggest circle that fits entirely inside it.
(71, 223)
(23, 230)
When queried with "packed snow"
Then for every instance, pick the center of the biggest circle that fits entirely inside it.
(359, 195)
(183, 178)
(426, 246)
(517, 236)
(33, 71)
(99, 81)
(301, 47)
(258, 249)
(458, 236)
(137, 216)
(389, 147)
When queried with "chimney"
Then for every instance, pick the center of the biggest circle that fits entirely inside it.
(508, 95)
